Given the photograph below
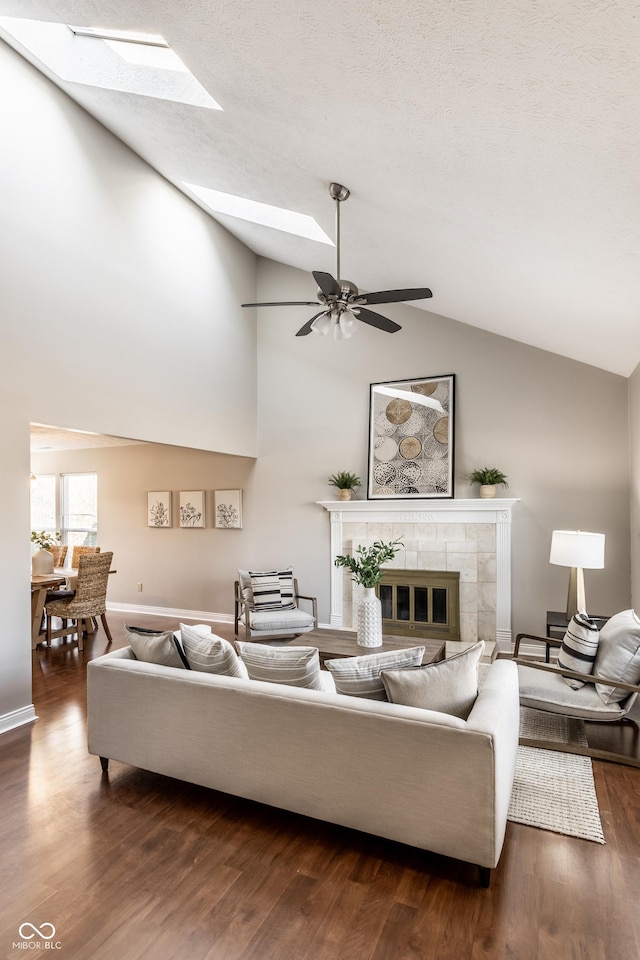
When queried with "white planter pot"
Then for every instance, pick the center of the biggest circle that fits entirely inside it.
(42, 562)
(369, 630)
(487, 491)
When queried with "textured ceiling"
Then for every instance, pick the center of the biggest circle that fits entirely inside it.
(491, 149)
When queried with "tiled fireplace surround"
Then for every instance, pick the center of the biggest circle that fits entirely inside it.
(470, 536)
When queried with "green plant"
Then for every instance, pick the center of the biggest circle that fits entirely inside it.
(488, 476)
(345, 480)
(45, 540)
(367, 562)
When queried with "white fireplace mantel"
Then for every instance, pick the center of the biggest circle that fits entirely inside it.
(495, 511)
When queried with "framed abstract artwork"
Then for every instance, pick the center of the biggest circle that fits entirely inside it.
(159, 508)
(192, 508)
(411, 439)
(228, 509)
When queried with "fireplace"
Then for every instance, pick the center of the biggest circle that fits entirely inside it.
(418, 603)
(471, 538)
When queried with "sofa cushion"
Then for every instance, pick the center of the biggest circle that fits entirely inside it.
(579, 648)
(272, 589)
(156, 646)
(618, 656)
(360, 676)
(293, 666)
(209, 653)
(448, 686)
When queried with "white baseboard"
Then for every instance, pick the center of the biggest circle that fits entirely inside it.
(17, 718)
(139, 609)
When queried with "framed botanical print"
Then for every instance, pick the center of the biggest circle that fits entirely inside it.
(192, 508)
(159, 508)
(411, 439)
(228, 509)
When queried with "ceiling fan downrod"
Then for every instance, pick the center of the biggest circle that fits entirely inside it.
(338, 193)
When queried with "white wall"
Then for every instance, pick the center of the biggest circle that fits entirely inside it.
(120, 314)
(556, 427)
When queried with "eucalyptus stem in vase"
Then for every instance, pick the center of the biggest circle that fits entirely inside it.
(366, 569)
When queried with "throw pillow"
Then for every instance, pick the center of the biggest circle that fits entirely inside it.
(579, 648)
(360, 676)
(155, 646)
(293, 666)
(618, 656)
(448, 686)
(209, 653)
(272, 589)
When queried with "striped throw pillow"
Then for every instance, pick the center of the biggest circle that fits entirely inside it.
(272, 589)
(209, 653)
(360, 676)
(579, 648)
(293, 666)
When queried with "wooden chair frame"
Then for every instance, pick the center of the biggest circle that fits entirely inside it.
(632, 760)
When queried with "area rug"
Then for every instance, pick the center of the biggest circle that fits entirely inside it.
(552, 790)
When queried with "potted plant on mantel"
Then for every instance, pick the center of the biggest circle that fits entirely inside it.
(42, 559)
(488, 478)
(366, 569)
(345, 482)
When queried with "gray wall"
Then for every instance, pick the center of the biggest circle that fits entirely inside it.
(634, 456)
(557, 428)
(120, 314)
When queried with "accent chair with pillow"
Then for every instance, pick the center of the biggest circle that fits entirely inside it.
(266, 605)
(608, 683)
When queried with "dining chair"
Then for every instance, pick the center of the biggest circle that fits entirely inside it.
(59, 555)
(79, 552)
(89, 600)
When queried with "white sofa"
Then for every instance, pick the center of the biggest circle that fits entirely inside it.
(422, 778)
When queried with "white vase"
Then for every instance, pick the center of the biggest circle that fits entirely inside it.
(369, 632)
(42, 562)
(487, 491)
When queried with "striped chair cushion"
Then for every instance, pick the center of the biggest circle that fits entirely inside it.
(360, 676)
(579, 648)
(293, 666)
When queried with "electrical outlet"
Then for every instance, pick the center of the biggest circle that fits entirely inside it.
(139, 588)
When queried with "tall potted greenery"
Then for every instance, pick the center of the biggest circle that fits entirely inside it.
(488, 478)
(345, 482)
(366, 569)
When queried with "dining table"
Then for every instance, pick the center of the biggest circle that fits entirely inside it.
(40, 583)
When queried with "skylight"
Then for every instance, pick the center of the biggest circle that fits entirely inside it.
(289, 221)
(130, 62)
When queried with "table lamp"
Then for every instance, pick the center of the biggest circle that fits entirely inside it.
(580, 551)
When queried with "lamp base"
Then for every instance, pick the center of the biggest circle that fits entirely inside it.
(575, 597)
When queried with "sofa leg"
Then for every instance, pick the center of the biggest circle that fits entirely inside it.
(104, 763)
(484, 875)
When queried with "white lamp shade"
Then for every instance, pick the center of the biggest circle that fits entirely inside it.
(577, 548)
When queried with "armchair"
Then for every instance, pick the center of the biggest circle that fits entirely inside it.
(606, 696)
(281, 618)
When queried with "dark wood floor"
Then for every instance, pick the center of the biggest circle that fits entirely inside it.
(141, 867)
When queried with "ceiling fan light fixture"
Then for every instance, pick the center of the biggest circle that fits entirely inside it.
(321, 325)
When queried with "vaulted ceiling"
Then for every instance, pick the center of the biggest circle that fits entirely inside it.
(491, 149)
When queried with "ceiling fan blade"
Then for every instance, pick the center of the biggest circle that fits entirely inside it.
(306, 328)
(329, 286)
(382, 323)
(395, 296)
(284, 303)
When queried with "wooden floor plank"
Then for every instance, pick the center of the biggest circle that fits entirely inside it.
(142, 867)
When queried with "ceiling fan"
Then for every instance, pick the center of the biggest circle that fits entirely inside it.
(339, 299)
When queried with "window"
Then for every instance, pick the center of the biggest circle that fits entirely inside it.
(79, 516)
(43, 504)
